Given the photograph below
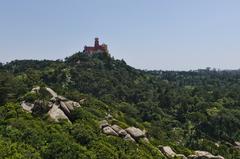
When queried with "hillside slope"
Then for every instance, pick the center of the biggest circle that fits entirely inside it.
(195, 110)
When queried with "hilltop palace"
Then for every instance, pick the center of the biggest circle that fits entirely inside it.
(97, 48)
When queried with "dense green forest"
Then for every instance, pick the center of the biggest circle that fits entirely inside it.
(186, 110)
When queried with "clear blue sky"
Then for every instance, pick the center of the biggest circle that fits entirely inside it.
(147, 34)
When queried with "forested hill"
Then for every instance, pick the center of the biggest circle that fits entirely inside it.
(186, 110)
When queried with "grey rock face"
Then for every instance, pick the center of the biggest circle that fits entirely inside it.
(167, 151)
(204, 154)
(58, 107)
(135, 132)
(35, 89)
(53, 94)
(129, 138)
(116, 130)
(119, 130)
(56, 113)
(71, 105)
(27, 106)
(109, 131)
(64, 108)
(122, 133)
(61, 98)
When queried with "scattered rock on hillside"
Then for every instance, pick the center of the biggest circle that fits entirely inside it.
(131, 134)
(135, 132)
(61, 98)
(109, 131)
(35, 89)
(204, 154)
(168, 152)
(65, 108)
(53, 94)
(71, 105)
(122, 133)
(27, 106)
(129, 138)
(57, 114)
(217, 144)
(119, 130)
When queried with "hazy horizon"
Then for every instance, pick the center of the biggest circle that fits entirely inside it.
(152, 35)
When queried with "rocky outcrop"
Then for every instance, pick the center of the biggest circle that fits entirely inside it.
(119, 130)
(129, 138)
(53, 94)
(57, 108)
(35, 89)
(169, 153)
(205, 155)
(135, 132)
(130, 134)
(109, 131)
(57, 114)
(65, 108)
(27, 106)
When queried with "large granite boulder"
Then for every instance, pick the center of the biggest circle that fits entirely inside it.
(27, 106)
(136, 133)
(51, 92)
(61, 98)
(58, 107)
(130, 134)
(109, 131)
(129, 138)
(121, 132)
(57, 114)
(35, 89)
(167, 151)
(65, 108)
(71, 105)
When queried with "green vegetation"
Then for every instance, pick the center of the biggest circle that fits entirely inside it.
(194, 110)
